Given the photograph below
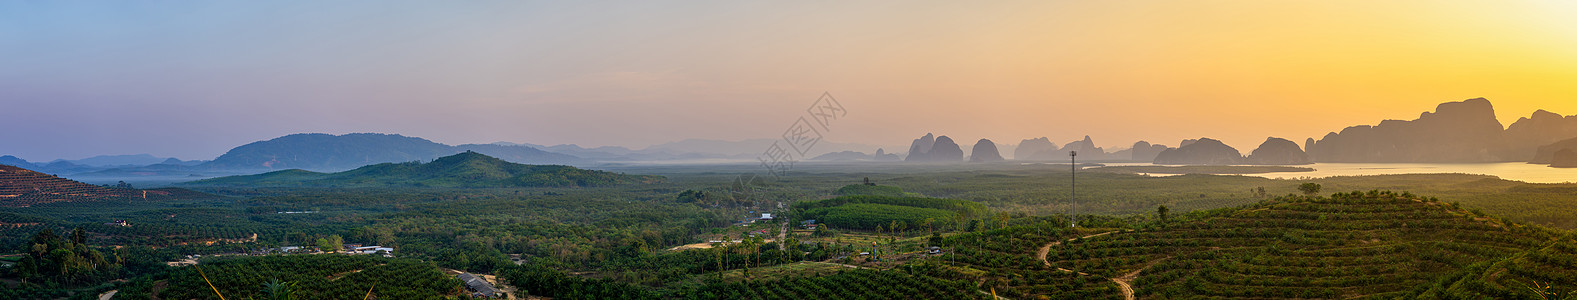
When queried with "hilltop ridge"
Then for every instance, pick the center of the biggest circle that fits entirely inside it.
(20, 187)
(326, 152)
(466, 169)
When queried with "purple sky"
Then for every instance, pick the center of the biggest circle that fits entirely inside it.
(192, 79)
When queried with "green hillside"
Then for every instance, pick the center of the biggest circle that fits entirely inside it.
(313, 277)
(464, 170)
(869, 212)
(1375, 245)
(870, 189)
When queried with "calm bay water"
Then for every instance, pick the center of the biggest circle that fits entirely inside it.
(1509, 171)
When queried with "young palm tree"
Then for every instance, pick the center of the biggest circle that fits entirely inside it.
(279, 290)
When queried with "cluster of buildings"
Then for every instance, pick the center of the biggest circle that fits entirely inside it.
(347, 248)
(758, 233)
(752, 220)
(807, 224)
(359, 249)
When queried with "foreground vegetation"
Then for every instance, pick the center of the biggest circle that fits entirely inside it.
(303, 276)
(1378, 245)
(1223, 236)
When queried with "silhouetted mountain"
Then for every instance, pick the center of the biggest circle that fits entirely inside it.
(1120, 154)
(882, 155)
(21, 187)
(1278, 151)
(1456, 132)
(468, 169)
(166, 171)
(1565, 158)
(327, 152)
(1465, 131)
(920, 146)
(1086, 148)
(17, 162)
(1527, 134)
(1144, 151)
(1043, 149)
(1204, 151)
(316, 151)
(1027, 149)
(940, 148)
(119, 160)
(843, 156)
(68, 167)
(945, 150)
(1546, 154)
(690, 149)
(58, 167)
(984, 151)
(65, 167)
(599, 153)
(520, 154)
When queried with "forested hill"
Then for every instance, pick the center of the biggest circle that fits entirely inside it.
(22, 187)
(1375, 245)
(465, 170)
(325, 152)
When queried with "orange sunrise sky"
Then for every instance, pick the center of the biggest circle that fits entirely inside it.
(191, 80)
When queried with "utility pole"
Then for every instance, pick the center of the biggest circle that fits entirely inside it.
(1073, 186)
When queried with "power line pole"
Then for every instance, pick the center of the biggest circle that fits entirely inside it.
(1073, 186)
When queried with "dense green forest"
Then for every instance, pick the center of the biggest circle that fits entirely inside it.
(897, 213)
(871, 189)
(693, 235)
(305, 277)
(1349, 245)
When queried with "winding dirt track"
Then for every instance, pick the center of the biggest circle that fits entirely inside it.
(782, 234)
(1122, 282)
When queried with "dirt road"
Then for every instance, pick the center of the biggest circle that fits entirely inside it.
(1122, 282)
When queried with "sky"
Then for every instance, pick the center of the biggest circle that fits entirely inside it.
(192, 79)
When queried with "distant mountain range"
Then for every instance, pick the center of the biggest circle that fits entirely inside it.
(325, 152)
(881, 155)
(96, 163)
(464, 170)
(692, 149)
(329, 153)
(1042, 149)
(1456, 132)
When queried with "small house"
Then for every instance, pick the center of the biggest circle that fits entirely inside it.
(807, 224)
(478, 286)
(371, 250)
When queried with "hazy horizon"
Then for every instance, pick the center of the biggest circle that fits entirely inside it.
(191, 80)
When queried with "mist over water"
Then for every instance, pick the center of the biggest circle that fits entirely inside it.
(1510, 171)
